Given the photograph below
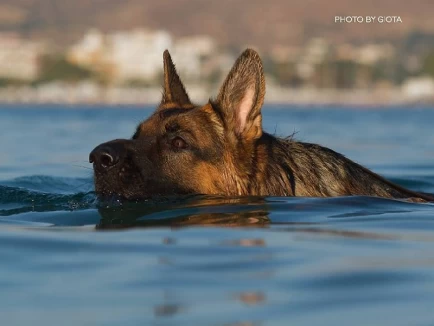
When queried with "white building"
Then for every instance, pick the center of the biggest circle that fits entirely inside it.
(372, 53)
(189, 53)
(90, 50)
(137, 54)
(19, 57)
(419, 88)
(125, 56)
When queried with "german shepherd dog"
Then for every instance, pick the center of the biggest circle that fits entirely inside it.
(220, 149)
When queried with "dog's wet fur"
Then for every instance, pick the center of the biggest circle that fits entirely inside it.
(220, 149)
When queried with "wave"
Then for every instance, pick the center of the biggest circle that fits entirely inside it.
(50, 184)
(45, 193)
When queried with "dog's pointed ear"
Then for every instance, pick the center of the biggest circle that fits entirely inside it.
(174, 91)
(241, 97)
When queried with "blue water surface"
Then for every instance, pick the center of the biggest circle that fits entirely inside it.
(68, 259)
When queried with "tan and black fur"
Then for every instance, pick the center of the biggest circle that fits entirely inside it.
(220, 148)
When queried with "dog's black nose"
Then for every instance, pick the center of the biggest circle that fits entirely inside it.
(104, 156)
(109, 154)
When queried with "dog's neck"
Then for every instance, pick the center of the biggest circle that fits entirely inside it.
(290, 168)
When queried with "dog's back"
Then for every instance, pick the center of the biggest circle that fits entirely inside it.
(309, 170)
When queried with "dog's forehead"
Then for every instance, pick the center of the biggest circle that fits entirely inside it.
(191, 117)
(167, 114)
(174, 105)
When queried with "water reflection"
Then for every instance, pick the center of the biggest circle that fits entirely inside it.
(187, 211)
(167, 310)
(300, 229)
(251, 298)
(245, 242)
(237, 212)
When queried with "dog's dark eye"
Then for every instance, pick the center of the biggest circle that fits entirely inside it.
(179, 143)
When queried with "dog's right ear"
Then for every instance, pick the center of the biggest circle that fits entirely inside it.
(241, 97)
(174, 91)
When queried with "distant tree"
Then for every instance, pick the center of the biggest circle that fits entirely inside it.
(428, 64)
(5, 82)
(284, 72)
(140, 83)
(56, 67)
(345, 73)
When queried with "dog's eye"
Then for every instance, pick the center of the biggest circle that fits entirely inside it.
(179, 143)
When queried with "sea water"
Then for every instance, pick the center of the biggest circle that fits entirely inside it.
(68, 259)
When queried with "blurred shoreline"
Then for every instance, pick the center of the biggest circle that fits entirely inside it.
(123, 67)
(92, 94)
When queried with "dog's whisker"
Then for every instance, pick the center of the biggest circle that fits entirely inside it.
(81, 166)
(88, 183)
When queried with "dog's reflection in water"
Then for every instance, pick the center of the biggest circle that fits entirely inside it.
(186, 211)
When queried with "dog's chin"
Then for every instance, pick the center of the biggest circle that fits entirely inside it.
(108, 196)
(113, 188)
(120, 184)
(112, 194)
(112, 191)
(113, 199)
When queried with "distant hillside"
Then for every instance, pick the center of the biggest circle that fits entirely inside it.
(232, 22)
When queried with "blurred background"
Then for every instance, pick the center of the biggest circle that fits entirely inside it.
(110, 51)
(331, 261)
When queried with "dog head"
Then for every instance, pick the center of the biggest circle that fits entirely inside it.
(183, 148)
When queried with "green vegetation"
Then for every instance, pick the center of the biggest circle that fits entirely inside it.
(56, 67)
(283, 72)
(142, 83)
(5, 82)
(428, 64)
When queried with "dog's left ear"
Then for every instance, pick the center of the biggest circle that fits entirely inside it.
(241, 97)
(174, 91)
